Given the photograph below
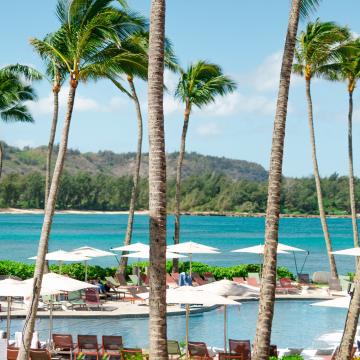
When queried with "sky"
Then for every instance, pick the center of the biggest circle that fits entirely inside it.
(246, 39)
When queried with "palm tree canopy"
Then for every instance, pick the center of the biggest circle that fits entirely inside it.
(346, 66)
(87, 29)
(202, 82)
(14, 92)
(317, 46)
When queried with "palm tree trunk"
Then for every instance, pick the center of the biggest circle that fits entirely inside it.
(324, 224)
(157, 184)
(45, 232)
(56, 89)
(351, 174)
(178, 181)
(129, 229)
(352, 318)
(1, 157)
(268, 279)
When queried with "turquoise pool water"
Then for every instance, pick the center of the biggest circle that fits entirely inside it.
(296, 324)
(19, 236)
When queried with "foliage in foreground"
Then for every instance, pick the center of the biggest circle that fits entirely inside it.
(77, 271)
(207, 192)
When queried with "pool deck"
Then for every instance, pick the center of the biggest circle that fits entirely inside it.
(123, 309)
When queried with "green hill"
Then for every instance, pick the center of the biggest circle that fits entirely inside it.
(29, 160)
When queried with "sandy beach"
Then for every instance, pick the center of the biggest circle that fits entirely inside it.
(146, 212)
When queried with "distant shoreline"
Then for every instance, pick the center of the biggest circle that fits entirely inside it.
(146, 212)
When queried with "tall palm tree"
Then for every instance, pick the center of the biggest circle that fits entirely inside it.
(268, 279)
(199, 85)
(157, 184)
(86, 28)
(15, 90)
(348, 69)
(316, 46)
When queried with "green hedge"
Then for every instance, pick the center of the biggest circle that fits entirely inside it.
(77, 271)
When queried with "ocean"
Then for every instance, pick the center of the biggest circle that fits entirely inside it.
(19, 237)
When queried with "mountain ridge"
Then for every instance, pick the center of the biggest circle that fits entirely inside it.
(27, 160)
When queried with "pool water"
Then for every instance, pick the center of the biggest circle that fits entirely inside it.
(296, 324)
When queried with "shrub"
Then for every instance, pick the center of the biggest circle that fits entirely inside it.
(77, 271)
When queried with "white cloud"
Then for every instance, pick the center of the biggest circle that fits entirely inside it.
(171, 80)
(171, 105)
(82, 104)
(237, 103)
(266, 76)
(209, 129)
(21, 143)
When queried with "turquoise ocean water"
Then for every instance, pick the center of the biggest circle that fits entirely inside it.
(296, 323)
(19, 235)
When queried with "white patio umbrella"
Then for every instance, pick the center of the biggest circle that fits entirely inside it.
(63, 256)
(342, 302)
(228, 288)
(190, 248)
(259, 250)
(91, 253)
(350, 252)
(132, 247)
(10, 288)
(56, 284)
(146, 255)
(189, 295)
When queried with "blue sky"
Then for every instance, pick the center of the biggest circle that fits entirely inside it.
(246, 39)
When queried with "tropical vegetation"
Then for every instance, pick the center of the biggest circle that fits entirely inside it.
(77, 271)
(212, 192)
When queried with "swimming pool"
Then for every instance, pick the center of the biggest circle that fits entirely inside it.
(296, 324)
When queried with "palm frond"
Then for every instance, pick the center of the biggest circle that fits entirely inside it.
(28, 72)
(202, 82)
(308, 7)
(17, 113)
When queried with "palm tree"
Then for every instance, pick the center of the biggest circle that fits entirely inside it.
(348, 69)
(316, 46)
(87, 27)
(15, 90)
(157, 184)
(268, 279)
(198, 86)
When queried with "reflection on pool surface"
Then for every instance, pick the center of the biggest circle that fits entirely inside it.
(296, 324)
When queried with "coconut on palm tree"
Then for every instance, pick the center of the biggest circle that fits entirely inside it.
(198, 86)
(157, 184)
(268, 278)
(86, 28)
(15, 90)
(317, 45)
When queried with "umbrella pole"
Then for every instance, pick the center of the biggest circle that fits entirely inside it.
(190, 259)
(50, 323)
(86, 276)
(60, 265)
(187, 313)
(225, 327)
(8, 318)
